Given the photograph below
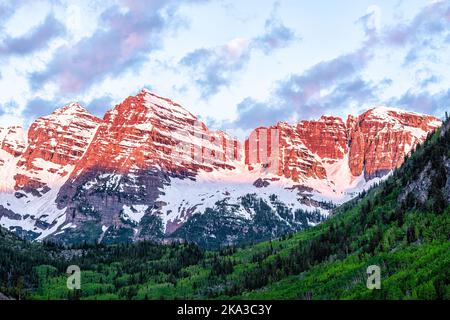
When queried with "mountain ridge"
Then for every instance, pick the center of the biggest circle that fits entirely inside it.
(405, 237)
(149, 157)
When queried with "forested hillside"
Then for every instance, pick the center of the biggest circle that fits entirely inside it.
(402, 225)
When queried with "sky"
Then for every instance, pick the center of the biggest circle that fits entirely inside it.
(235, 64)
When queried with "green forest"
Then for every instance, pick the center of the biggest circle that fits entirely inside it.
(386, 226)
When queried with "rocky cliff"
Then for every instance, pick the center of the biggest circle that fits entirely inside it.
(149, 166)
(372, 144)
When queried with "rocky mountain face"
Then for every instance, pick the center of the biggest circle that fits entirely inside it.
(12, 145)
(55, 145)
(151, 170)
(372, 144)
(12, 140)
(380, 138)
(148, 130)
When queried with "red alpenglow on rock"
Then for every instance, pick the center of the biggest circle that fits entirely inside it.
(381, 137)
(12, 145)
(148, 130)
(56, 143)
(149, 157)
(372, 144)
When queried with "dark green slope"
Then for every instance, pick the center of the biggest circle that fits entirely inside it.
(17, 258)
(403, 226)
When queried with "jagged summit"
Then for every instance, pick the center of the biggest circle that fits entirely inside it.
(71, 108)
(71, 115)
(12, 141)
(149, 159)
(399, 116)
(146, 107)
(382, 109)
(155, 97)
(10, 127)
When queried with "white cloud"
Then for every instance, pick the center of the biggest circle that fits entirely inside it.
(237, 47)
(374, 21)
(206, 26)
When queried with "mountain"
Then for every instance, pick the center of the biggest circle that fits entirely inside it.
(35, 172)
(150, 170)
(402, 226)
(12, 145)
(371, 144)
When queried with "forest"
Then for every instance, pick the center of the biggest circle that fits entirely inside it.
(389, 226)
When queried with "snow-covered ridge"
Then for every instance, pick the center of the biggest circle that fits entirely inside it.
(317, 161)
(12, 144)
(384, 111)
(30, 181)
(13, 139)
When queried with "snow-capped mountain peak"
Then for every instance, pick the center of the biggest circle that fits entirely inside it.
(71, 108)
(149, 159)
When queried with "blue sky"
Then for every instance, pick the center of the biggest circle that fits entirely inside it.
(235, 64)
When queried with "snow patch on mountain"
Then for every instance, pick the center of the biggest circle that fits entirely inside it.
(34, 211)
(134, 213)
(149, 145)
(184, 197)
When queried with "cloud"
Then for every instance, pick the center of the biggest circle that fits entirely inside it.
(124, 39)
(6, 11)
(276, 36)
(302, 95)
(338, 84)
(419, 35)
(425, 77)
(355, 91)
(286, 107)
(8, 107)
(253, 113)
(371, 23)
(99, 106)
(300, 88)
(37, 39)
(430, 80)
(38, 107)
(422, 33)
(215, 68)
(433, 20)
(424, 102)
